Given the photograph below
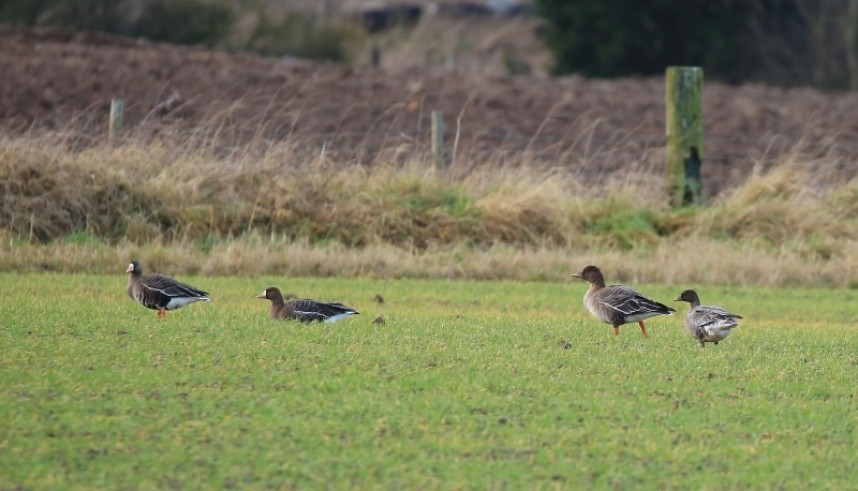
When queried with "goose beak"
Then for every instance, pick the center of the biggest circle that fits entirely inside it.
(576, 275)
(130, 268)
(261, 295)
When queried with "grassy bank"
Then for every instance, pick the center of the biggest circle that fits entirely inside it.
(466, 385)
(190, 206)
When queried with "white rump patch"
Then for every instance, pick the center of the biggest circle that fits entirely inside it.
(335, 318)
(179, 302)
(716, 335)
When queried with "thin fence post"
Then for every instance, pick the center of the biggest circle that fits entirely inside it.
(375, 55)
(438, 139)
(117, 107)
(684, 128)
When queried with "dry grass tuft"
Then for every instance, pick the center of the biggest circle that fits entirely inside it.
(531, 209)
(154, 191)
(785, 208)
(268, 208)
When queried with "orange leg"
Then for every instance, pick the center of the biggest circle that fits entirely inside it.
(616, 331)
(162, 313)
(643, 329)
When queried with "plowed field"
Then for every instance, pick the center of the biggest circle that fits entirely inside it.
(49, 76)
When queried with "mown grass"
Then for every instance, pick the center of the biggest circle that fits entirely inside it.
(466, 385)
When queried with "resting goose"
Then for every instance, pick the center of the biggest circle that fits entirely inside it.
(158, 292)
(304, 309)
(618, 304)
(707, 323)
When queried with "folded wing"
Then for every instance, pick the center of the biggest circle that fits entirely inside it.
(632, 304)
(711, 319)
(171, 288)
(307, 310)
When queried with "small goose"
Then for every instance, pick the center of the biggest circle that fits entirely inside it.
(158, 292)
(618, 304)
(304, 309)
(707, 323)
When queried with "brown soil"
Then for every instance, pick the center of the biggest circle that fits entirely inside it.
(48, 76)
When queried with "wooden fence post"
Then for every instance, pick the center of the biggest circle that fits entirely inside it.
(375, 56)
(684, 118)
(438, 139)
(117, 107)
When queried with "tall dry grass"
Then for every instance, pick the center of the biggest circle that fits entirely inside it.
(269, 208)
(161, 191)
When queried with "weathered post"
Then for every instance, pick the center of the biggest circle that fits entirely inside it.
(438, 139)
(375, 56)
(117, 107)
(683, 103)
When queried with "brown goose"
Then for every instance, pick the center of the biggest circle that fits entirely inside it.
(618, 304)
(707, 323)
(158, 292)
(304, 309)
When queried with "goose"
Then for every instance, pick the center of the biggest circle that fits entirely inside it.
(618, 304)
(304, 309)
(707, 323)
(159, 292)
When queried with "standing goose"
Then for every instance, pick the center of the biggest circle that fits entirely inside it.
(707, 323)
(618, 304)
(161, 293)
(304, 309)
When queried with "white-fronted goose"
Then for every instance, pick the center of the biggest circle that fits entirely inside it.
(707, 323)
(161, 293)
(618, 304)
(304, 309)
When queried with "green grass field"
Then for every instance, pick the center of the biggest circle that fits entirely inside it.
(466, 385)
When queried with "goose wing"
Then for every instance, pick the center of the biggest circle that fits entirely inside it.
(307, 310)
(713, 318)
(171, 288)
(630, 303)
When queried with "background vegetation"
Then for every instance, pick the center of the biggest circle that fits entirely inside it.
(622, 37)
(184, 22)
(780, 42)
(191, 206)
(194, 203)
(253, 26)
